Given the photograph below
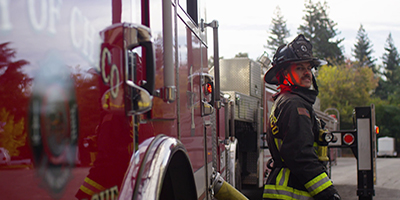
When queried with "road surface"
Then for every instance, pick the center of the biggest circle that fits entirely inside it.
(344, 177)
(387, 178)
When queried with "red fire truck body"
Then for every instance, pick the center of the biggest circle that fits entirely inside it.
(114, 99)
(101, 99)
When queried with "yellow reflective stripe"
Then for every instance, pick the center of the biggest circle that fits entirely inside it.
(287, 172)
(315, 180)
(315, 145)
(278, 146)
(279, 177)
(277, 196)
(278, 143)
(94, 184)
(321, 188)
(283, 177)
(284, 192)
(86, 190)
(318, 184)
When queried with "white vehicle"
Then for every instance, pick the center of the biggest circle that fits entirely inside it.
(387, 147)
(4, 156)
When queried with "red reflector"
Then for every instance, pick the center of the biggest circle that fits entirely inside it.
(209, 88)
(348, 138)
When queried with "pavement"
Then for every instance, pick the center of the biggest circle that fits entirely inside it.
(387, 187)
(344, 177)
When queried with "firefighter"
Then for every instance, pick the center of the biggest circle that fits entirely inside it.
(293, 129)
(114, 150)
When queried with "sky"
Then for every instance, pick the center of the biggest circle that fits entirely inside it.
(244, 26)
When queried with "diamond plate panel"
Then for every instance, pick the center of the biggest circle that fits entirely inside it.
(245, 106)
(242, 75)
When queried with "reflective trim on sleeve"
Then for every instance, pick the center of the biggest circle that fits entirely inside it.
(94, 184)
(318, 184)
(284, 192)
(90, 187)
(86, 190)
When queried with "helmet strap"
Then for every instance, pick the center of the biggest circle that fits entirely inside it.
(286, 81)
(314, 82)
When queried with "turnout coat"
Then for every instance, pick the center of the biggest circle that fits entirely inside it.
(292, 133)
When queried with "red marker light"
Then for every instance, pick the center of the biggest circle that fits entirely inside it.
(348, 138)
(377, 129)
(209, 88)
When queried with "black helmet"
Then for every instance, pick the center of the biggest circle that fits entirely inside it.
(299, 50)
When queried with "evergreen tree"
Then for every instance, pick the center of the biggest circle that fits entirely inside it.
(321, 31)
(16, 84)
(389, 85)
(363, 50)
(387, 118)
(15, 93)
(242, 55)
(391, 60)
(278, 31)
(211, 61)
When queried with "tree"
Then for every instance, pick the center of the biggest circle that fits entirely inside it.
(242, 55)
(12, 132)
(320, 30)
(15, 91)
(12, 75)
(278, 31)
(345, 87)
(87, 93)
(391, 61)
(387, 118)
(363, 50)
(211, 61)
(388, 87)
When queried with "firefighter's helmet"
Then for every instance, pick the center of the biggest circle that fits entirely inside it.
(299, 50)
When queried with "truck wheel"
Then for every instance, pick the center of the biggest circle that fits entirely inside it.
(179, 182)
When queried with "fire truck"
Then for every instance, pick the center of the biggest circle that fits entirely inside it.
(115, 100)
(110, 99)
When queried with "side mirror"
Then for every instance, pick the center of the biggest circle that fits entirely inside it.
(141, 99)
(207, 109)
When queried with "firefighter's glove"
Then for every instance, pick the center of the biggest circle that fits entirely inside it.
(335, 197)
(329, 193)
